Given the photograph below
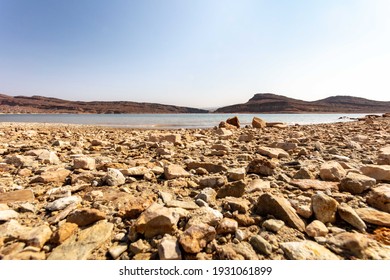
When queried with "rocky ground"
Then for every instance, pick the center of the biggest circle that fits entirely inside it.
(264, 192)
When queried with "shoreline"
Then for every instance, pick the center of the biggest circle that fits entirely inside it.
(289, 192)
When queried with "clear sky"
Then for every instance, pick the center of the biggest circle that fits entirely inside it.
(199, 53)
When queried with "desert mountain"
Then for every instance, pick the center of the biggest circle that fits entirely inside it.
(272, 103)
(40, 104)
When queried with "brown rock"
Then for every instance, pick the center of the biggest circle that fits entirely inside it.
(234, 121)
(258, 123)
(272, 152)
(307, 250)
(227, 225)
(65, 231)
(379, 198)
(210, 167)
(306, 184)
(281, 209)
(375, 217)
(235, 189)
(350, 216)
(174, 171)
(384, 156)
(378, 172)
(355, 183)
(17, 196)
(240, 251)
(332, 171)
(52, 176)
(85, 216)
(261, 166)
(36, 237)
(324, 207)
(316, 228)
(196, 237)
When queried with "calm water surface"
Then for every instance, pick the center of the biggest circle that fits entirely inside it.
(172, 120)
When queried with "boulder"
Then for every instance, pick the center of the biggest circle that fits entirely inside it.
(355, 183)
(332, 171)
(258, 123)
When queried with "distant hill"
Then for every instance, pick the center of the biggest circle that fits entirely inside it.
(41, 104)
(272, 103)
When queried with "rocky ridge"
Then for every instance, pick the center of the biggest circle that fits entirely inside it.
(272, 192)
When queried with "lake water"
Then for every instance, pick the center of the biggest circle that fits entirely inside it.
(172, 120)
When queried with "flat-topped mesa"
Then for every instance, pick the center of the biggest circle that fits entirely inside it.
(273, 103)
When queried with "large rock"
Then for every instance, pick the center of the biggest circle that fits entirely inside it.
(235, 189)
(261, 166)
(227, 225)
(324, 207)
(349, 215)
(62, 203)
(84, 162)
(234, 121)
(114, 177)
(307, 250)
(206, 215)
(45, 156)
(357, 245)
(379, 198)
(57, 176)
(378, 172)
(174, 171)
(214, 181)
(37, 237)
(210, 167)
(384, 155)
(80, 246)
(373, 216)
(306, 184)
(6, 215)
(17, 196)
(157, 220)
(281, 209)
(85, 216)
(196, 237)
(272, 152)
(258, 123)
(355, 183)
(316, 228)
(332, 171)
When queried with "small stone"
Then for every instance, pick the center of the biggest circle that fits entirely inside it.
(350, 216)
(85, 216)
(62, 203)
(168, 248)
(355, 183)
(324, 207)
(332, 171)
(261, 245)
(384, 156)
(304, 211)
(114, 177)
(140, 246)
(304, 173)
(233, 204)
(379, 198)
(223, 133)
(117, 251)
(208, 195)
(227, 225)
(212, 181)
(307, 250)
(44, 156)
(210, 167)
(196, 237)
(306, 184)
(205, 215)
(174, 171)
(273, 225)
(316, 229)
(84, 162)
(135, 171)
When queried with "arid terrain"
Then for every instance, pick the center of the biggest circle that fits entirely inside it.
(268, 191)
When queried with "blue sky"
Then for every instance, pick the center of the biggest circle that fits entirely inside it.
(194, 53)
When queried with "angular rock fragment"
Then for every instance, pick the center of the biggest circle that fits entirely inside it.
(378, 172)
(324, 207)
(168, 248)
(379, 198)
(350, 216)
(261, 166)
(196, 237)
(332, 171)
(174, 171)
(373, 216)
(307, 250)
(355, 183)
